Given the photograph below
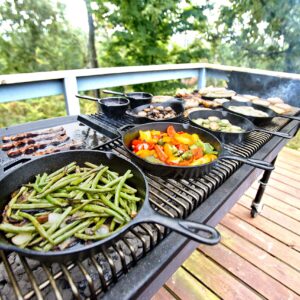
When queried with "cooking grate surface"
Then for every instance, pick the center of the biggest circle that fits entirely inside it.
(28, 279)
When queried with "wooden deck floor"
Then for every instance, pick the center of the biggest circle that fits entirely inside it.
(257, 258)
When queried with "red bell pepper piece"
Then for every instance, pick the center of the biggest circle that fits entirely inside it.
(171, 131)
(197, 153)
(160, 153)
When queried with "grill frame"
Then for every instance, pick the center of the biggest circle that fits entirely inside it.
(173, 246)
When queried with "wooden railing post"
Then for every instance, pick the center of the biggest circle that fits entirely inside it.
(70, 90)
(202, 78)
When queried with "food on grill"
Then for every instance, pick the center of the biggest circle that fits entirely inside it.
(216, 124)
(250, 97)
(32, 140)
(71, 205)
(173, 148)
(69, 146)
(275, 100)
(261, 102)
(22, 136)
(157, 112)
(158, 99)
(216, 92)
(281, 108)
(28, 149)
(248, 111)
(188, 111)
(240, 98)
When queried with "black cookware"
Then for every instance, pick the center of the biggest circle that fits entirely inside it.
(238, 120)
(26, 172)
(162, 170)
(136, 98)
(258, 120)
(175, 104)
(113, 107)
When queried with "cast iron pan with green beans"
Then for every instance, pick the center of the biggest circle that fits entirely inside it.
(237, 120)
(15, 178)
(163, 170)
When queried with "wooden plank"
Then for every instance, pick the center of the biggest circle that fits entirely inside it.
(280, 163)
(249, 274)
(289, 182)
(261, 259)
(274, 215)
(277, 204)
(267, 226)
(291, 154)
(163, 294)
(220, 281)
(290, 163)
(280, 195)
(286, 173)
(288, 189)
(262, 240)
(185, 286)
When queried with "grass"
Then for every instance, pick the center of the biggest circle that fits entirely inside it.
(295, 142)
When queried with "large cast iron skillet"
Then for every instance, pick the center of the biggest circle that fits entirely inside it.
(238, 120)
(179, 171)
(175, 104)
(258, 120)
(26, 172)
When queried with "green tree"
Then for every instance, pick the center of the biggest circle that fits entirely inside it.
(35, 36)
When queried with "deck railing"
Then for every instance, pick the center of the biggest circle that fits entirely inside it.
(23, 86)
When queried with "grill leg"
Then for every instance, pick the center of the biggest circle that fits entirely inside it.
(257, 206)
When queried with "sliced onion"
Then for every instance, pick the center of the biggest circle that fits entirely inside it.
(53, 218)
(104, 229)
(21, 238)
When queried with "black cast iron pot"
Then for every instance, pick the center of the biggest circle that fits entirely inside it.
(162, 170)
(26, 173)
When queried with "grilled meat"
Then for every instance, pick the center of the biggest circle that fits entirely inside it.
(70, 146)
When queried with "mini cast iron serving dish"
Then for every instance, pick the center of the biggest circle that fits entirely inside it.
(25, 173)
(257, 120)
(136, 98)
(176, 105)
(237, 120)
(163, 170)
(113, 107)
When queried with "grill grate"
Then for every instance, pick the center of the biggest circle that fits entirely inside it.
(27, 279)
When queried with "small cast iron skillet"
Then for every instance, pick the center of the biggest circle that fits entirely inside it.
(175, 104)
(162, 170)
(231, 137)
(257, 120)
(26, 172)
(113, 107)
(136, 98)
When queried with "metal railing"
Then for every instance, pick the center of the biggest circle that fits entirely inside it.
(17, 87)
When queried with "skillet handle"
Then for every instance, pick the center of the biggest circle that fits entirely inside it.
(264, 165)
(87, 98)
(198, 232)
(113, 93)
(276, 133)
(289, 117)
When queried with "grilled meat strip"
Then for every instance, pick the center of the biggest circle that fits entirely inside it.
(70, 146)
(27, 141)
(25, 135)
(34, 147)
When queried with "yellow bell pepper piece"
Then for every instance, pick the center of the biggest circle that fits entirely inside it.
(184, 138)
(201, 161)
(145, 136)
(146, 153)
(195, 137)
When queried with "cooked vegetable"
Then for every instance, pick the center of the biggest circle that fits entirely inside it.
(73, 204)
(248, 111)
(216, 124)
(173, 148)
(157, 112)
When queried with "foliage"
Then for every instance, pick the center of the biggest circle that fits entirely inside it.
(35, 36)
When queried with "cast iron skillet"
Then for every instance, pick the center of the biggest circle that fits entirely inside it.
(180, 171)
(175, 104)
(257, 120)
(231, 137)
(26, 172)
(136, 98)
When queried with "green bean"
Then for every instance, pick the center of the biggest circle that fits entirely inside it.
(62, 169)
(114, 207)
(13, 201)
(96, 208)
(43, 178)
(89, 190)
(112, 225)
(93, 237)
(81, 206)
(120, 185)
(66, 235)
(123, 203)
(32, 205)
(61, 195)
(16, 229)
(99, 224)
(98, 176)
(93, 166)
(55, 201)
(37, 225)
(129, 197)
